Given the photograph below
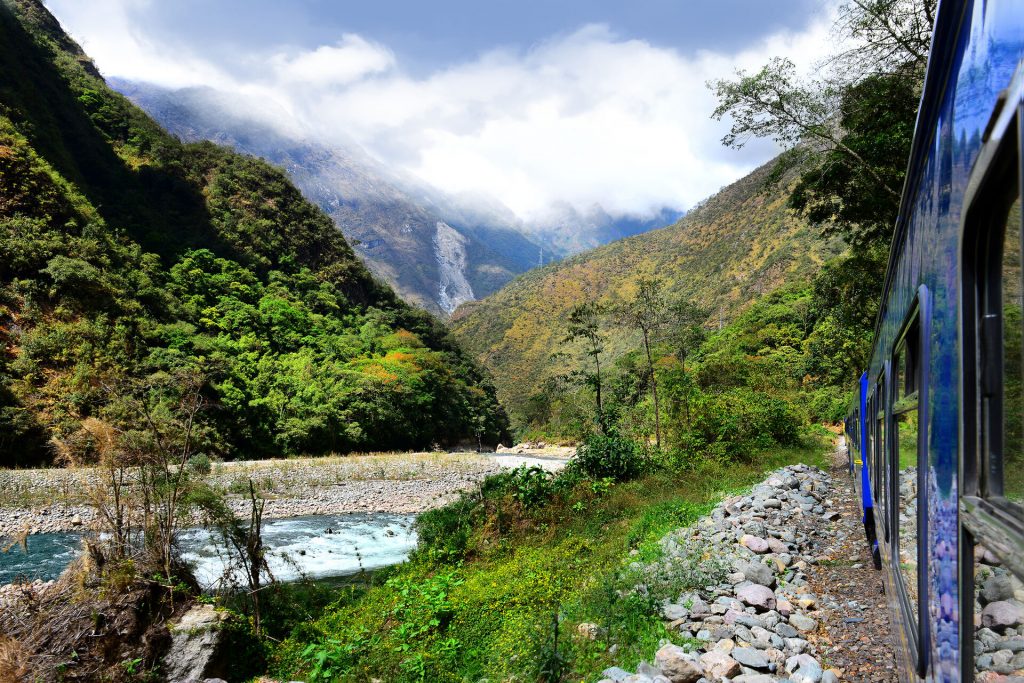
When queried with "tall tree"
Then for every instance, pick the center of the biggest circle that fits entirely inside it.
(647, 313)
(585, 326)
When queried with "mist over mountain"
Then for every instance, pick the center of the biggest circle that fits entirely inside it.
(437, 250)
(435, 256)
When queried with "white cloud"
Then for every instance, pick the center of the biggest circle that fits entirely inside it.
(351, 59)
(585, 118)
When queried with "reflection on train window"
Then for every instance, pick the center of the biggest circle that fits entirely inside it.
(1008, 470)
(882, 463)
(905, 428)
(905, 450)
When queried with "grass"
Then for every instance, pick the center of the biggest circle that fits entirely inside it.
(491, 612)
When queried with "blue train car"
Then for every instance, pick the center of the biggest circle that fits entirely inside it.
(936, 430)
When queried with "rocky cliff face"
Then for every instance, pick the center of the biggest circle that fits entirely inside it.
(450, 250)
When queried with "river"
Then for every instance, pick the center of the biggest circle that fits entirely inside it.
(316, 547)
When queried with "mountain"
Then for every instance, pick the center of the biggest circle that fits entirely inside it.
(737, 245)
(135, 265)
(431, 250)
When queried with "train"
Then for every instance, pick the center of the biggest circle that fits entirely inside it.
(935, 431)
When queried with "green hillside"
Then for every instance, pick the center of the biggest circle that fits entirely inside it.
(131, 263)
(735, 247)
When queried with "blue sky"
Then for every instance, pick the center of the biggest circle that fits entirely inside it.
(428, 35)
(579, 101)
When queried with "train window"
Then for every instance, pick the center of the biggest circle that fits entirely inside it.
(908, 399)
(1006, 468)
(992, 481)
(880, 475)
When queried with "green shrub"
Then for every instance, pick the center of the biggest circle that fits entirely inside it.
(731, 424)
(610, 456)
(200, 464)
(829, 404)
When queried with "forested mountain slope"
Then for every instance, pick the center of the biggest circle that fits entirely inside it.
(736, 246)
(434, 255)
(133, 264)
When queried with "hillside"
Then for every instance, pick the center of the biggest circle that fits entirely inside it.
(433, 255)
(132, 264)
(734, 247)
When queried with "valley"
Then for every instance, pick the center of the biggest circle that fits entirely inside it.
(276, 407)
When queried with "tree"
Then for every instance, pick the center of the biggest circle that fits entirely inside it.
(647, 312)
(850, 128)
(585, 326)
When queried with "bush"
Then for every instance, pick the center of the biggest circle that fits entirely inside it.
(829, 404)
(610, 456)
(734, 422)
(200, 464)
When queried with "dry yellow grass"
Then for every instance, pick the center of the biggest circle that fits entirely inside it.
(14, 661)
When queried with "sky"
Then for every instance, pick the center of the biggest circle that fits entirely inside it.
(585, 102)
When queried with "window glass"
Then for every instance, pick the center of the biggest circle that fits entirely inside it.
(1010, 468)
(905, 428)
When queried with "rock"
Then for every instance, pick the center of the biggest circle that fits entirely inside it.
(760, 597)
(195, 651)
(77, 520)
(748, 656)
(830, 676)
(997, 588)
(755, 544)
(677, 665)
(671, 611)
(785, 630)
(809, 673)
(1001, 615)
(590, 631)
(637, 678)
(803, 623)
(615, 674)
(759, 573)
(719, 665)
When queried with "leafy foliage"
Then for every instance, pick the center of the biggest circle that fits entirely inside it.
(609, 456)
(124, 253)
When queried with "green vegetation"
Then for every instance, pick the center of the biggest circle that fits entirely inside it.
(503, 578)
(126, 255)
(735, 247)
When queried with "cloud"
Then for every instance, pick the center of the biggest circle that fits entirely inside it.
(352, 59)
(584, 118)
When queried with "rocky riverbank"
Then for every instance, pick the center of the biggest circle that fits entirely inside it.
(47, 500)
(758, 614)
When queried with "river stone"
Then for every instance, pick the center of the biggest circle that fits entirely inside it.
(719, 665)
(803, 623)
(195, 652)
(1001, 615)
(755, 543)
(759, 573)
(748, 656)
(677, 665)
(672, 611)
(785, 630)
(997, 588)
(757, 596)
